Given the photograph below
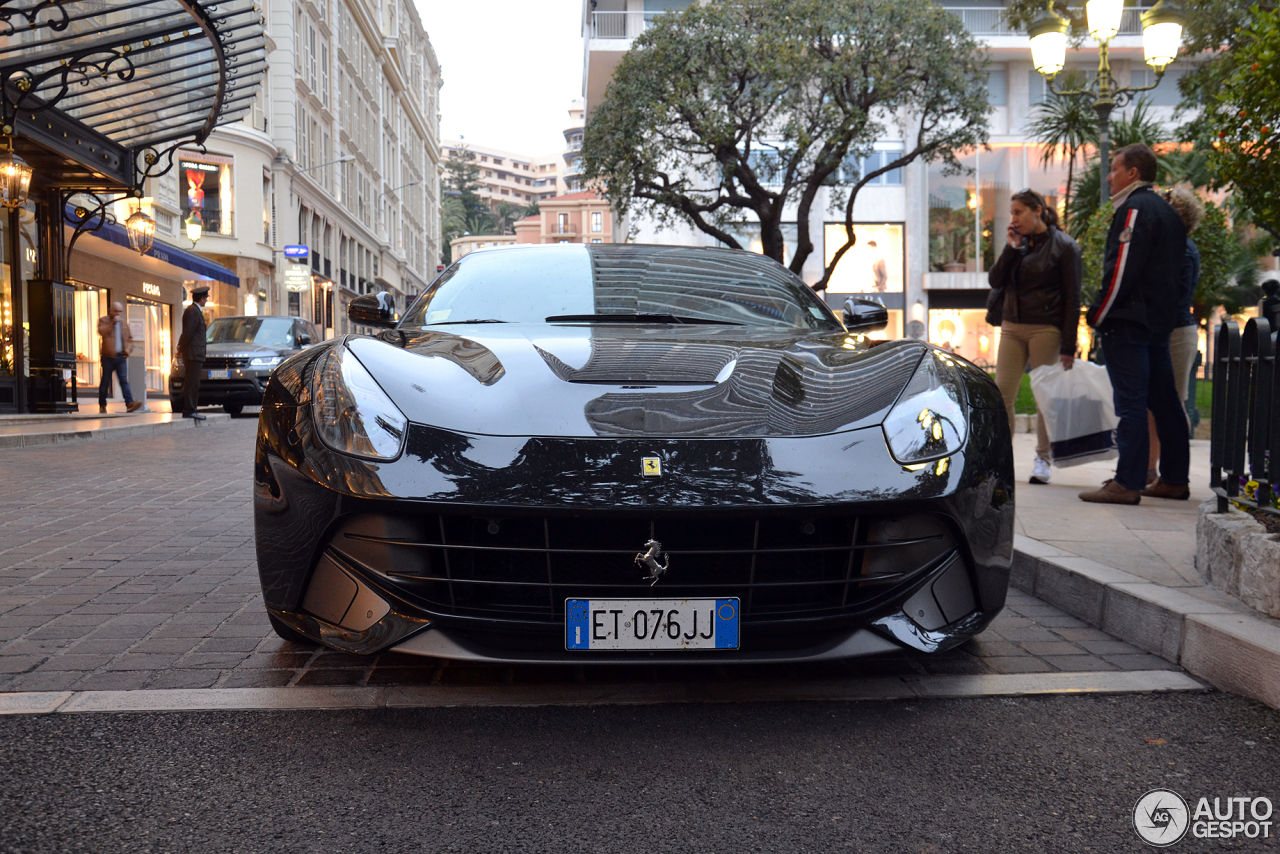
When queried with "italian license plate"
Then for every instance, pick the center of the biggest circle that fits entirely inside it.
(651, 624)
(220, 375)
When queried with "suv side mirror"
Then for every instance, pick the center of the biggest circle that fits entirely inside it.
(304, 340)
(864, 315)
(373, 310)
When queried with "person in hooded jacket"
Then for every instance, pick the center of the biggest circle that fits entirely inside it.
(1035, 300)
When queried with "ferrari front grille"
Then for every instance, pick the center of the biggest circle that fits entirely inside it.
(523, 568)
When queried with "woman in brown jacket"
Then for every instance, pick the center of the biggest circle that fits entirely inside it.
(1035, 301)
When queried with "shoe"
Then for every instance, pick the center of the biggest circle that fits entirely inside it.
(1040, 471)
(102, 409)
(196, 416)
(133, 407)
(1112, 493)
(1159, 489)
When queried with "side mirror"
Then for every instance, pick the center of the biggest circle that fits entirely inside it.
(373, 310)
(863, 315)
(304, 340)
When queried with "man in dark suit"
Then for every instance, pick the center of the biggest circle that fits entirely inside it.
(191, 348)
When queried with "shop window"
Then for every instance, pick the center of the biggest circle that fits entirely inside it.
(966, 333)
(874, 264)
(208, 195)
(91, 304)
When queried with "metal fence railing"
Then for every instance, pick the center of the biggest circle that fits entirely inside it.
(1244, 449)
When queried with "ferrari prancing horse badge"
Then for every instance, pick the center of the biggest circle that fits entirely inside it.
(652, 467)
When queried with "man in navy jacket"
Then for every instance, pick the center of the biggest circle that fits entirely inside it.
(1134, 313)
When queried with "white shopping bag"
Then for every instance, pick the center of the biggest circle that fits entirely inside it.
(1078, 411)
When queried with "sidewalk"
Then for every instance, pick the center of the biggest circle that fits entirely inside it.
(87, 425)
(1130, 571)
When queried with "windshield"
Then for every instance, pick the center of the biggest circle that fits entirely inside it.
(265, 331)
(615, 283)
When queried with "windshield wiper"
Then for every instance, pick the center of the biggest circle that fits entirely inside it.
(452, 322)
(635, 318)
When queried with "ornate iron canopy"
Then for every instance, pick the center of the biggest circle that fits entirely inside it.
(116, 86)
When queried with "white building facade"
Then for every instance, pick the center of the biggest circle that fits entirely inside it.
(925, 240)
(340, 155)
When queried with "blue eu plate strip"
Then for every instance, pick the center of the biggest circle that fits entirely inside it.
(577, 624)
(726, 624)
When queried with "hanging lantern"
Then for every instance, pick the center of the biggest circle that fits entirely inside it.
(1162, 33)
(194, 229)
(1048, 42)
(15, 179)
(142, 232)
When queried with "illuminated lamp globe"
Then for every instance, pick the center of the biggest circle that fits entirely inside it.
(142, 232)
(194, 230)
(1162, 33)
(1103, 18)
(1048, 42)
(15, 180)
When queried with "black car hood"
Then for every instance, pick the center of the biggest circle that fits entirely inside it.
(670, 381)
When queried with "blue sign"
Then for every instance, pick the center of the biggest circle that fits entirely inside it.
(296, 252)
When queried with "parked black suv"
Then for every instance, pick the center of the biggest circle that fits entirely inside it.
(240, 355)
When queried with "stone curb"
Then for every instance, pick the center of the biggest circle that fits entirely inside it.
(444, 696)
(123, 431)
(1237, 555)
(1233, 651)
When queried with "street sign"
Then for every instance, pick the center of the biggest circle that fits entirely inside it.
(297, 277)
(296, 251)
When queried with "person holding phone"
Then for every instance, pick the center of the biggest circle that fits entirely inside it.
(1035, 300)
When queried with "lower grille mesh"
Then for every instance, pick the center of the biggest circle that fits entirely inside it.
(521, 569)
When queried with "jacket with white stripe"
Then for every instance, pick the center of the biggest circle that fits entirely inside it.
(1141, 271)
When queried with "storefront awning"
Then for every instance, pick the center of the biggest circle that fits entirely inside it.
(201, 267)
(143, 74)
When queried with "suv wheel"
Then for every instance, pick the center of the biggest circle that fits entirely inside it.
(232, 408)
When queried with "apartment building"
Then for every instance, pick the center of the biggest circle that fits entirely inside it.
(338, 160)
(505, 176)
(925, 239)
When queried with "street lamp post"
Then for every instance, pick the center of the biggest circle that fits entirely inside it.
(1161, 38)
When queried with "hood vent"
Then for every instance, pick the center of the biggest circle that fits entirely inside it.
(632, 362)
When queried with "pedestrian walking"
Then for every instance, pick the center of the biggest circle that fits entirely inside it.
(191, 348)
(1134, 314)
(1035, 300)
(1184, 341)
(114, 350)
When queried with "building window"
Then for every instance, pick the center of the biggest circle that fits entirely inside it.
(873, 265)
(597, 221)
(853, 169)
(596, 240)
(562, 223)
(208, 196)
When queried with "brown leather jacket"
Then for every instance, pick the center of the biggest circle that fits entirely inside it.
(1041, 283)
(107, 331)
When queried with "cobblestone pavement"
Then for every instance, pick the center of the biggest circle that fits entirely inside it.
(130, 564)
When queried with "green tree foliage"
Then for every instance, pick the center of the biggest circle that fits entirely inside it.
(1242, 118)
(1065, 122)
(1137, 127)
(731, 109)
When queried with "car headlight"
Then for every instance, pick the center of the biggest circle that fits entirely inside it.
(928, 421)
(265, 361)
(353, 415)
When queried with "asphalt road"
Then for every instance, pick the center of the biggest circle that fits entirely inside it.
(1058, 773)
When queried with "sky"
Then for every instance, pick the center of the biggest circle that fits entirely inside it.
(510, 69)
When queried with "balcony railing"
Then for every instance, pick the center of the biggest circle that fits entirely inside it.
(989, 21)
(563, 228)
(620, 25)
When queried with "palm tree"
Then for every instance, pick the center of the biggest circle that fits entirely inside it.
(1137, 127)
(1065, 122)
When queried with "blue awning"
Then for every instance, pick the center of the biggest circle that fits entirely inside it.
(203, 268)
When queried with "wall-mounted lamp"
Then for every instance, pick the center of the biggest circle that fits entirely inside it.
(194, 229)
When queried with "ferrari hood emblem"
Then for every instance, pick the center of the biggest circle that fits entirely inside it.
(648, 560)
(651, 467)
